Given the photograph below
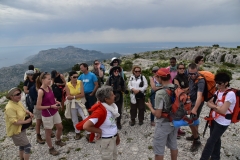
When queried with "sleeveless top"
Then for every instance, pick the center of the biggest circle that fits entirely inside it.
(75, 90)
(182, 80)
(58, 79)
(47, 100)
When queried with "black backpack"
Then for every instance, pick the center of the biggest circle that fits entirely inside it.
(29, 103)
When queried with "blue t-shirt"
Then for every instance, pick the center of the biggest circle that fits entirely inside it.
(88, 81)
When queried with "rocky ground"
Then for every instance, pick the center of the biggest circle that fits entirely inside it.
(136, 143)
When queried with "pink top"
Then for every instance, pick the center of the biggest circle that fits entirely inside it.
(172, 73)
(47, 100)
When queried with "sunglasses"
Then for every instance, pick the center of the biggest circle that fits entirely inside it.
(181, 68)
(96, 63)
(18, 94)
(154, 71)
(74, 77)
(115, 62)
(137, 71)
(30, 74)
(192, 74)
(219, 83)
(116, 71)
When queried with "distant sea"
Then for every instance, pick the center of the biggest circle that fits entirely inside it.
(18, 54)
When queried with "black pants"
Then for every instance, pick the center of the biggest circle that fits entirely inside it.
(140, 107)
(213, 145)
(119, 104)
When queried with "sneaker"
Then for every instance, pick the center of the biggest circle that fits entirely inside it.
(140, 123)
(40, 140)
(60, 143)
(53, 152)
(152, 123)
(132, 123)
(52, 135)
(191, 138)
(78, 136)
(195, 145)
(181, 132)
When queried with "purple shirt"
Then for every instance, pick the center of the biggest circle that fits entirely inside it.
(47, 100)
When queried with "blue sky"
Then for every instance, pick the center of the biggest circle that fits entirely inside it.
(56, 22)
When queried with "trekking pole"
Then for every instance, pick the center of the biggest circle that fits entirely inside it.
(206, 125)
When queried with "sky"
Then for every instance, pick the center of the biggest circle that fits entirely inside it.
(56, 22)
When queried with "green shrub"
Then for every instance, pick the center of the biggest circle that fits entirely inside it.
(220, 70)
(127, 65)
(76, 67)
(20, 85)
(229, 64)
(234, 56)
(67, 123)
(223, 58)
(238, 46)
(136, 56)
(215, 45)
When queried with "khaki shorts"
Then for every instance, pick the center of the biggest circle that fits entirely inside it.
(48, 122)
(37, 113)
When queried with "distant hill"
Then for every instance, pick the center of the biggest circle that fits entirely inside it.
(60, 59)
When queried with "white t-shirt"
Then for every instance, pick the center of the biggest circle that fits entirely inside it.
(231, 98)
(109, 127)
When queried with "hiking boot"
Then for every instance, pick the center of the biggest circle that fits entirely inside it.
(181, 132)
(191, 138)
(60, 143)
(40, 140)
(52, 135)
(152, 123)
(53, 152)
(140, 123)
(132, 123)
(78, 136)
(119, 126)
(178, 136)
(195, 145)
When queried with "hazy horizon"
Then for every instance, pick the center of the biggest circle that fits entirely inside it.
(17, 55)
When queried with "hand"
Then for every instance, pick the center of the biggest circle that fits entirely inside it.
(91, 94)
(98, 66)
(31, 115)
(194, 111)
(148, 104)
(55, 106)
(135, 91)
(98, 135)
(118, 140)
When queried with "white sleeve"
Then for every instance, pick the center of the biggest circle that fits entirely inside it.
(231, 97)
(94, 120)
(160, 106)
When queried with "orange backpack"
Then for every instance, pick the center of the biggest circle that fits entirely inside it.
(181, 105)
(210, 84)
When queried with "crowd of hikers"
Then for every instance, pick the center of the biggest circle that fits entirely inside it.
(177, 96)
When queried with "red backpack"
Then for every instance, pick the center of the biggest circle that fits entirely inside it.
(234, 115)
(181, 105)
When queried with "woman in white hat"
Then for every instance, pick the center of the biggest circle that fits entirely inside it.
(116, 62)
(17, 121)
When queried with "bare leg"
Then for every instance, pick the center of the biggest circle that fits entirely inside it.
(194, 130)
(38, 124)
(21, 154)
(26, 156)
(59, 128)
(48, 133)
(174, 154)
(158, 157)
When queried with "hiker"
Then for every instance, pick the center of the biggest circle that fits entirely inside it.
(31, 67)
(28, 83)
(75, 101)
(219, 108)
(90, 85)
(155, 85)
(50, 116)
(172, 68)
(173, 72)
(37, 113)
(165, 134)
(196, 89)
(101, 123)
(118, 85)
(199, 60)
(181, 80)
(16, 116)
(116, 62)
(137, 85)
(98, 71)
(58, 85)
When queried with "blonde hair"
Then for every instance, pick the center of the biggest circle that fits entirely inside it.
(40, 78)
(134, 67)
